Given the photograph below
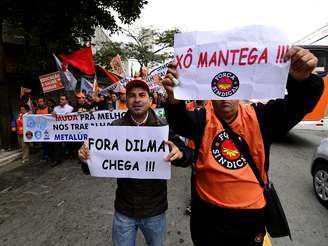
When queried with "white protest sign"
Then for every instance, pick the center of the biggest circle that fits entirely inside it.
(129, 152)
(244, 63)
(161, 70)
(86, 86)
(110, 88)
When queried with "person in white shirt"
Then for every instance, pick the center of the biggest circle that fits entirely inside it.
(59, 148)
(63, 107)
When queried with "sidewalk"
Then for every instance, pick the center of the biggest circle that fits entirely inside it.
(7, 157)
(12, 159)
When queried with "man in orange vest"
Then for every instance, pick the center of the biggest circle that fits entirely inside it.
(23, 109)
(121, 102)
(228, 202)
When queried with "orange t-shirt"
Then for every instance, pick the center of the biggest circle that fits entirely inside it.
(223, 176)
(42, 111)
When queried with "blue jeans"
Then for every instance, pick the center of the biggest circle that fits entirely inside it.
(124, 230)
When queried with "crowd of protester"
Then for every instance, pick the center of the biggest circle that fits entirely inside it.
(54, 153)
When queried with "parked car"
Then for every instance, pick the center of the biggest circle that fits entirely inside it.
(319, 171)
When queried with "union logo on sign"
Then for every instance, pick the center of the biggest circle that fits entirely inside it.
(225, 84)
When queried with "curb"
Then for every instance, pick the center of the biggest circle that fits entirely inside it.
(10, 156)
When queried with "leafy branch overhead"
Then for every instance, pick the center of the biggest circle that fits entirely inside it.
(60, 25)
(69, 19)
(147, 45)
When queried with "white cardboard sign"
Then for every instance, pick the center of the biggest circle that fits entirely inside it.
(244, 63)
(129, 152)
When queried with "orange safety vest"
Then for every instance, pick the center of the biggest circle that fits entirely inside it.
(19, 124)
(121, 105)
(190, 106)
(42, 111)
(223, 176)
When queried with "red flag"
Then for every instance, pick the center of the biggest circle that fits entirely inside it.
(82, 59)
(111, 76)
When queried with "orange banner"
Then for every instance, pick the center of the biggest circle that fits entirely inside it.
(51, 82)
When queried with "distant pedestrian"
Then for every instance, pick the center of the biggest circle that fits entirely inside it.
(23, 110)
(59, 147)
(42, 108)
(121, 102)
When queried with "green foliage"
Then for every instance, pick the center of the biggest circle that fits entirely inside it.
(65, 21)
(148, 45)
(166, 38)
(108, 51)
(58, 26)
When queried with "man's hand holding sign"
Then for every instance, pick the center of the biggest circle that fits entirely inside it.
(303, 62)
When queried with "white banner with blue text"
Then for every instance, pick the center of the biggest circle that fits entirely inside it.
(71, 127)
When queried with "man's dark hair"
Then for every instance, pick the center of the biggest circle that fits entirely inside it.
(63, 95)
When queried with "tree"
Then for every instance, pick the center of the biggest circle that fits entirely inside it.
(149, 45)
(108, 51)
(70, 19)
(60, 25)
(56, 26)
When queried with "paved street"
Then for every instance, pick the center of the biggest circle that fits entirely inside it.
(40, 205)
